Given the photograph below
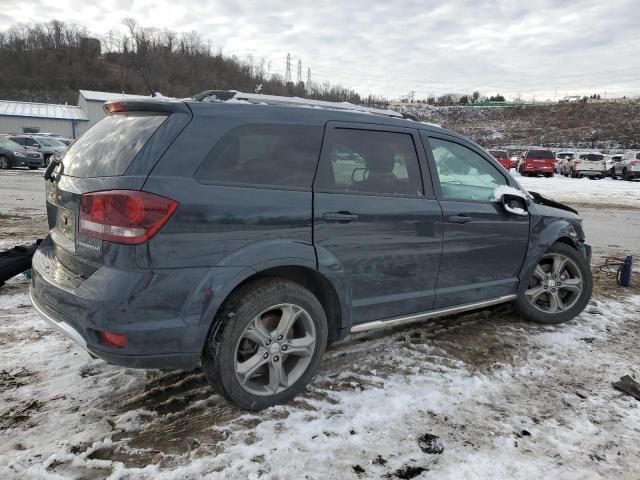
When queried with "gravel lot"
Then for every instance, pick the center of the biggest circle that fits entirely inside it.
(508, 399)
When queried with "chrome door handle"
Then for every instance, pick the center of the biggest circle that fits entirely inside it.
(339, 217)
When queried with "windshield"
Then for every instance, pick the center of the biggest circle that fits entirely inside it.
(8, 144)
(50, 142)
(539, 154)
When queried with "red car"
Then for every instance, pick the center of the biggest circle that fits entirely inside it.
(536, 162)
(502, 156)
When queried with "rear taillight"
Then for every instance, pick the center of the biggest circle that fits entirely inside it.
(124, 216)
(117, 340)
(634, 163)
(576, 162)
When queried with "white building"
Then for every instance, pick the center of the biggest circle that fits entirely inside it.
(91, 103)
(29, 117)
(70, 121)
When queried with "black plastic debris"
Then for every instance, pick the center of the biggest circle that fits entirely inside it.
(358, 469)
(629, 386)
(430, 444)
(16, 260)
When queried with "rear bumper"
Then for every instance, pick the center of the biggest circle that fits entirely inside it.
(164, 327)
(590, 173)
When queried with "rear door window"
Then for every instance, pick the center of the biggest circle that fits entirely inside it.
(370, 161)
(264, 155)
(108, 148)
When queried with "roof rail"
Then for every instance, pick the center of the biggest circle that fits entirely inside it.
(259, 99)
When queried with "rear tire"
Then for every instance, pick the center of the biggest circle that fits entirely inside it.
(543, 300)
(249, 356)
(46, 160)
(627, 176)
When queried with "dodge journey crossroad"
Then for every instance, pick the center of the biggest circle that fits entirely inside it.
(243, 233)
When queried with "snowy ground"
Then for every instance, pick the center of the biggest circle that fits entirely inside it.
(507, 398)
(602, 193)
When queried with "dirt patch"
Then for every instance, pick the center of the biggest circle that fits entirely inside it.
(20, 415)
(18, 229)
(605, 285)
(12, 379)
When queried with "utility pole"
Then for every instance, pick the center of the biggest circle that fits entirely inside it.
(413, 95)
(299, 70)
(287, 75)
(308, 76)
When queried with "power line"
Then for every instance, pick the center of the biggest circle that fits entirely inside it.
(287, 75)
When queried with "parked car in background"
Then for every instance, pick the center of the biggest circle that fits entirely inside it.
(15, 155)
(272, 236)
(503, 158)
(609, 160)
(535, 162)
(562, 159)
(629, 167)
(590, 165)
(47, 146)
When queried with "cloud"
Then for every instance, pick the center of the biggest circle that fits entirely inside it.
(390, 48)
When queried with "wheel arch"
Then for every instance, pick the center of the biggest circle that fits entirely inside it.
(301, 273)
(546, 232)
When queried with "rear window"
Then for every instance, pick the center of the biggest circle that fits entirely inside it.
(108, 148)
(540, 154)
(638, 156)
(593, 157)
(264, 155)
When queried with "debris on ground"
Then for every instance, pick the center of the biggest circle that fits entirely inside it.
(430, 444)
(16, 260)
(629, 386)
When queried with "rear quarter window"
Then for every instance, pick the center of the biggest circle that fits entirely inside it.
(108, 148)
(264, 155)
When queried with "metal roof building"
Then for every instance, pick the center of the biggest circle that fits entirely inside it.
(30, 117)
(91, 103)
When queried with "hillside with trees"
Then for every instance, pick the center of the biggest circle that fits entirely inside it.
(50, 62)
(602, 126)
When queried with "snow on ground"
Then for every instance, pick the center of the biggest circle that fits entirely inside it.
(508, 399)
(606, 192)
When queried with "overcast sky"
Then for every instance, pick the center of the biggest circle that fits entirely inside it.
(546, 47)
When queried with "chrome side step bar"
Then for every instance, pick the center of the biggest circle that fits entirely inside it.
(418, 317)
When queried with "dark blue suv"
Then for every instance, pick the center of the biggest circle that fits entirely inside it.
(244, 233)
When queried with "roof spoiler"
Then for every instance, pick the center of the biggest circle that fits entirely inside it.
(151, 105)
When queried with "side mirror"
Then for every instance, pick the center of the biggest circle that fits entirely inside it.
(513, 200)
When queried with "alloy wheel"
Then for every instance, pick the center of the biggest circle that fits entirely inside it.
(556, 284)
(4, 163)
(275, 349)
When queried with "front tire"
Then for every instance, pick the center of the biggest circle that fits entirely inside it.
(268, 343)
(5, 163)
(559, 289)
